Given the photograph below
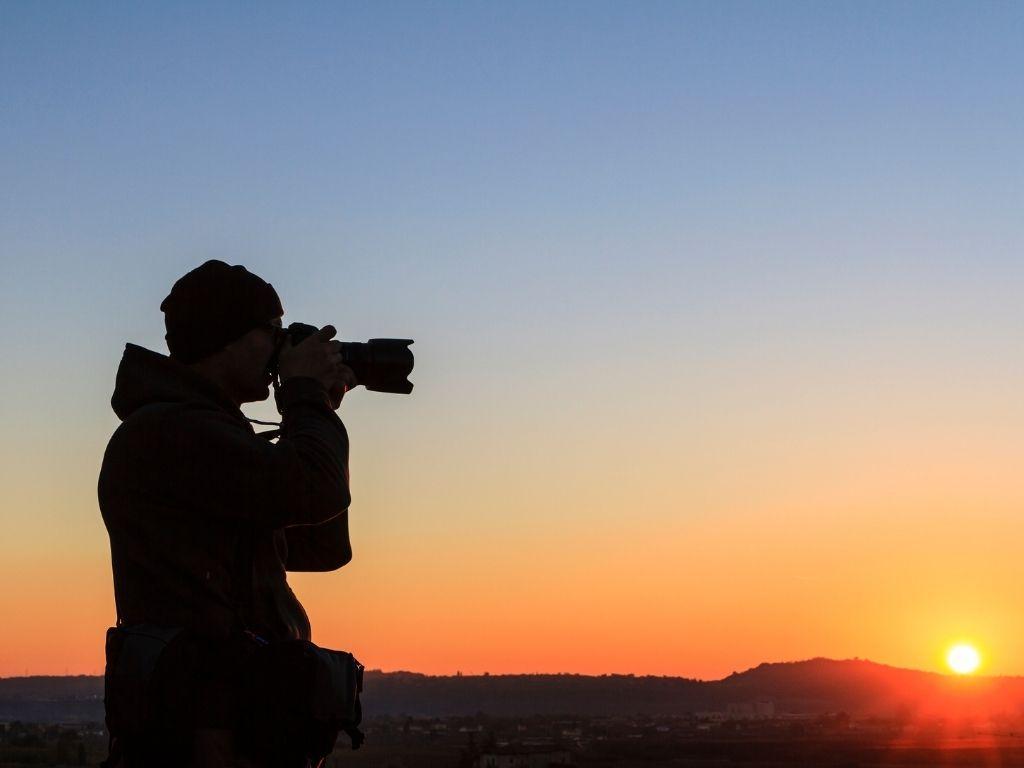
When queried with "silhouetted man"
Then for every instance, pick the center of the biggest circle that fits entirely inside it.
(204, 515)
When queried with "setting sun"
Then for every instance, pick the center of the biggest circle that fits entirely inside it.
(963, 659)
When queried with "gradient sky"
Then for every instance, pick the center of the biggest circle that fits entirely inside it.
(717, 310)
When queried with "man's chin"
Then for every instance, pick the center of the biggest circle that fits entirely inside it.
(258, 394)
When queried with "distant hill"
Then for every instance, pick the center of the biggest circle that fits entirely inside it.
(861, 688)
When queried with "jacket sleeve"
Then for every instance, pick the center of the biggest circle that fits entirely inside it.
(204, 460)
(323, 547)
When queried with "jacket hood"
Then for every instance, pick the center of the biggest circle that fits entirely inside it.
(146, 377)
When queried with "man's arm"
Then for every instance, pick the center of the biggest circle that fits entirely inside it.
(323, 547)
(204, 461)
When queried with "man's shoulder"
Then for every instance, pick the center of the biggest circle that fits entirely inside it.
(157, 418)
(153, 415)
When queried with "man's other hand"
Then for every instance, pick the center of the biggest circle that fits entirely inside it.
(318, 357)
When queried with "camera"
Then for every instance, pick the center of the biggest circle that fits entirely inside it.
(380, 365)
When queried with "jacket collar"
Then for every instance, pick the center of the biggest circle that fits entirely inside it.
(145, 377)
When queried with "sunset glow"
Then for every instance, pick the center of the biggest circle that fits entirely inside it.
(963, 659)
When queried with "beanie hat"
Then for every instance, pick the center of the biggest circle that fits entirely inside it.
(213, 305)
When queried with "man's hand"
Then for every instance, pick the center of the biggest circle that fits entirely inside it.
(318, 357)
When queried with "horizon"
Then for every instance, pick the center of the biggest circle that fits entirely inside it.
(459, 673)
(862, 689)
(716, 307)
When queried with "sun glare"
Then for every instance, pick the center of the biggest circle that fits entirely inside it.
(963, 659)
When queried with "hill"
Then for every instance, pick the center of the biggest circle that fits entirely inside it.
(858, 687)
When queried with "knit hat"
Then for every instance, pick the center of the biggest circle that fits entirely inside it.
(213, 305)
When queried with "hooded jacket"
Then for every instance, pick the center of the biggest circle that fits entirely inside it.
(205, 516)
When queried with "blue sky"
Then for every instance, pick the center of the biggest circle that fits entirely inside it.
(521, 170)
(569, 158)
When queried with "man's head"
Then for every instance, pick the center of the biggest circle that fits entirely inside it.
(220, 321)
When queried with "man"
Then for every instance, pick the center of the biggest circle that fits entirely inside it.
(205, 516)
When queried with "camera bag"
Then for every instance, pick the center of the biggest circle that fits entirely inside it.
(293, 694)
(149, 692)
(298, 696)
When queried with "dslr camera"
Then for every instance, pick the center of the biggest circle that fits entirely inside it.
(381, 365)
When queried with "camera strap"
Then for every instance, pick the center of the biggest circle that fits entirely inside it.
(269, 434)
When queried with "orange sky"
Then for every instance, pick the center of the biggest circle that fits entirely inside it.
(679, 547)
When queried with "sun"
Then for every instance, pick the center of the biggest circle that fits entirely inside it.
(963, 659)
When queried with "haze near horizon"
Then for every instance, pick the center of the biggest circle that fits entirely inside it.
(716, 308)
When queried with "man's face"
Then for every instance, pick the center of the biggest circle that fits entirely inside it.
(246, 361)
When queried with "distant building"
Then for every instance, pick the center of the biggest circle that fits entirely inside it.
(751, 710)
(712, 717)
(523, 757)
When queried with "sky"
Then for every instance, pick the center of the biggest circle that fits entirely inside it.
(717, 309)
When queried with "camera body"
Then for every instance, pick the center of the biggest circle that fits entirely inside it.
(380, 365)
